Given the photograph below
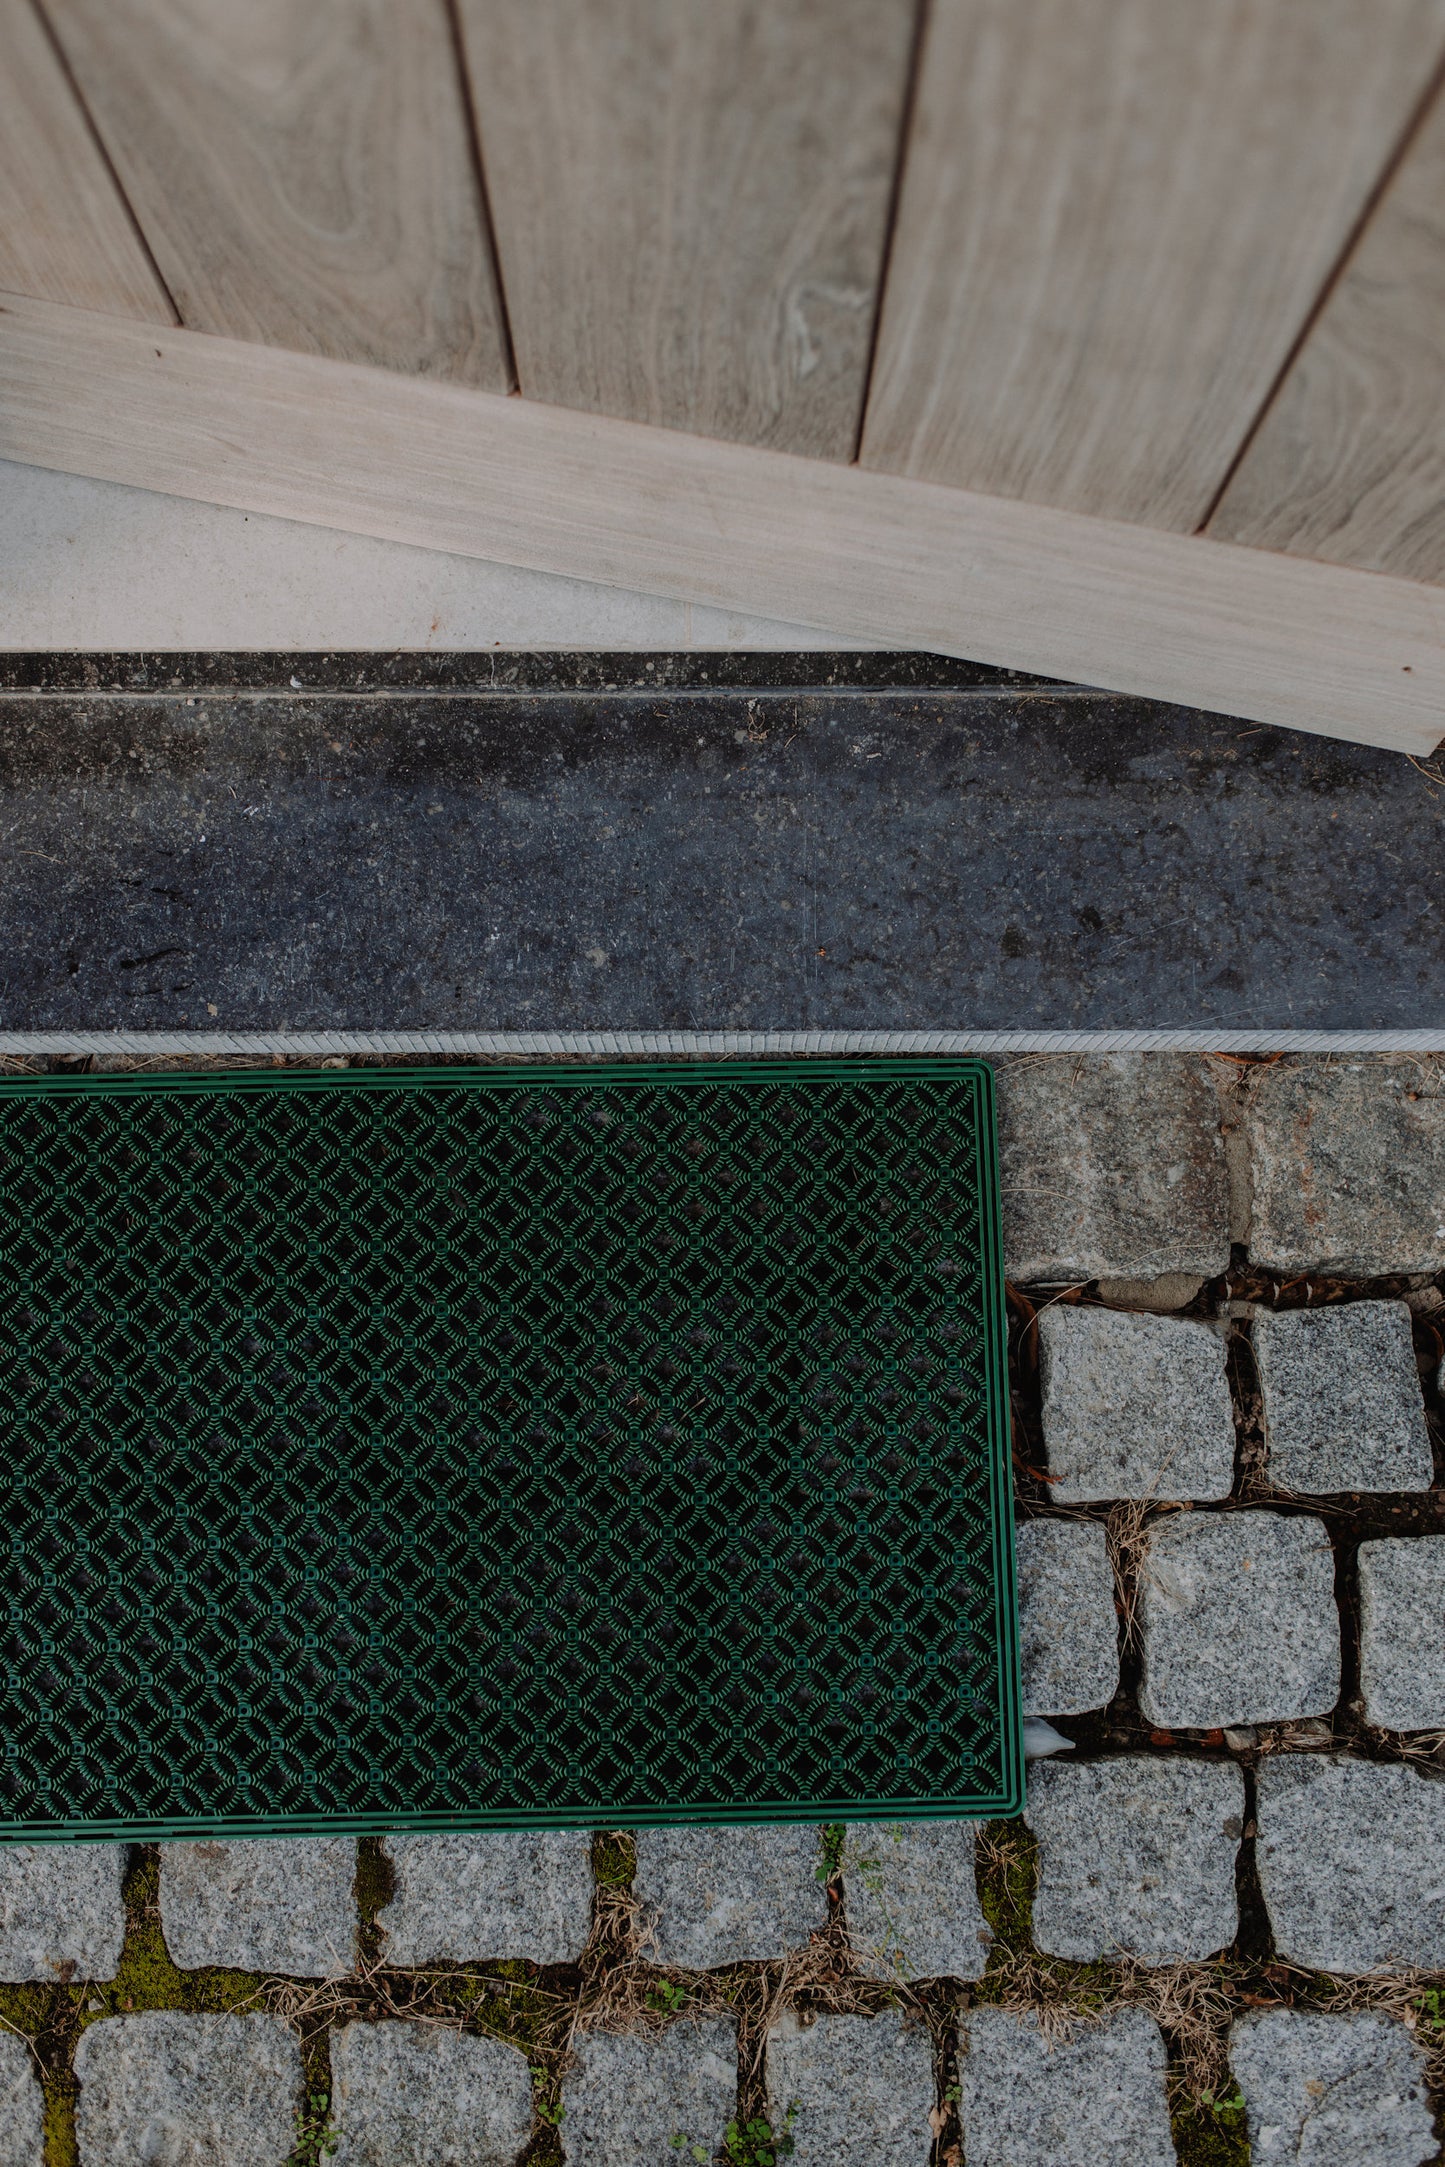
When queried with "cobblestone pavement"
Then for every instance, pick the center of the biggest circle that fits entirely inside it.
(1218, 1932)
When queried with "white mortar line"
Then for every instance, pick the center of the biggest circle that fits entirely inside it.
(494, 694)
(708, 1045)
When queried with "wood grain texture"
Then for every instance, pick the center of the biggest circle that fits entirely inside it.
(302, 171)
(690, 200)
(1349, 463)
(1173, 617)
(65, 233)
(1115, 219)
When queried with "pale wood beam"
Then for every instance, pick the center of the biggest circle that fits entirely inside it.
(1174, 617)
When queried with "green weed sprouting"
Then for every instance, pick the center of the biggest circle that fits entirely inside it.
(752, 2144)
(1222, 2102)
(316, 2136)
(833, 1836)
(553, 2115)
(746, 2144)
(666, 1997)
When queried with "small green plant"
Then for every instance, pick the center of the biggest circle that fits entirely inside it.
(1431, 2005)
(753, 2144)
(681, 2142)
(316, 2138)
(553, 2115)
(1222, 2102)
(834, 1835)
(666, 1997)
(1209, 2129)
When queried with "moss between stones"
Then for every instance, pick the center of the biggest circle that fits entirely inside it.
(519, 2011)
(614, 1858)
(503, 2000)
(1007, 1878)
(146, 1977)
(1016, 1973)
(535, 2010)
(53, 2017)
(46, 2017)
(373, 1889)
(27, 2009)
(545, 2149)
(60, 2146)
(1211, 2133)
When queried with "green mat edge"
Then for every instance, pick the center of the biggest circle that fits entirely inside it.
(1007, 1802)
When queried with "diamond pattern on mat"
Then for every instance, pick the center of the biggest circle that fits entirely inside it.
(404, 1446)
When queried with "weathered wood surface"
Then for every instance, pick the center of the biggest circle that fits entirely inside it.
(65, 233)
(1175, 617)
(690, 201)
(1116, 218)
(1349, 463)
(302, 173)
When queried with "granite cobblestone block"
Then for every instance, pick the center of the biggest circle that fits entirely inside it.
(270, 1903)
(491, 1893)
(856, 2088)
(416, 2095)
(911, 1900)
(1136, 1854)
(627, 2098)
(1402, 1633)
(22, 2105)
(1095, 2098)
(1331, 2091)
(1133, 1406)
(62, 1915)
(729, 1895)
(1111, 1168)
(167, 2090)
(1349, 1856)
(1347, 1163)
(1237, 1619)
(1068, 1626)
(1343, 1408)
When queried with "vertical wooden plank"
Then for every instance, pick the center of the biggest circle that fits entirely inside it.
(65, 233)
(1349, 463)
(691, 201)
(1115, 218)
(302, 171)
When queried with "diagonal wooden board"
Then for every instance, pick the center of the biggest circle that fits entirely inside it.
(1209, 624)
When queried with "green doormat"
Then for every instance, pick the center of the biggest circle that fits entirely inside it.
(512, 1447)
